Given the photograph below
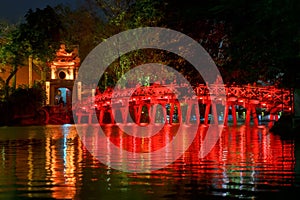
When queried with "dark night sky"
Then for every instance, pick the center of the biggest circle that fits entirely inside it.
(14, 10)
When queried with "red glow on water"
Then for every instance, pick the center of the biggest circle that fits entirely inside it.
(142, 144)
(246, 159)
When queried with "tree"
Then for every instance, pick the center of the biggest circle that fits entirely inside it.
(80, 27)
(265, 34)
(11, 54)
(41, 31)
(122, 15)
(40, 36)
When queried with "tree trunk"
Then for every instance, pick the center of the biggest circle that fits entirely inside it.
(30, 60)
(14, 77)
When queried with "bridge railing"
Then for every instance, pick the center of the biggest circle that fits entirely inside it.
(267, 96)
(270, 98)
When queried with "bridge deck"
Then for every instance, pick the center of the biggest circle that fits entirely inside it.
(210, 103)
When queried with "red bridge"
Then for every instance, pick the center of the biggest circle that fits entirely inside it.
(174, 104)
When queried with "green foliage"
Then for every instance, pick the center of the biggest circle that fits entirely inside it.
(27, 100)
(80, 27)
(143, 13)
(22, 102)
(10, 50)
(40, 34)
(263, 35)
(123, 15)
(260, 38)
(11, 53)
(37, 36)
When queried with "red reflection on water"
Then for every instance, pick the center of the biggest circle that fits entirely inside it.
(141, 144)
(241, 146)
(243, 155)
(244, 158)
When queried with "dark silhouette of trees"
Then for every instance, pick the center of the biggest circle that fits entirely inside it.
(262, 37)
(247, 40)
(81, 26)
(36, 37)
(11, 56)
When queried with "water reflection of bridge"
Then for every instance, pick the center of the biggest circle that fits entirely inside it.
(175, 104)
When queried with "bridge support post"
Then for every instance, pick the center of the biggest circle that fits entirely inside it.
(101, 116)
(234, 116)
(179, 112)
(197, 111)
(90, 118)
(153, 111)
(251, 111)
(114, 113)
(255, 118)
(149, 112)
(171, 113)
(273, 117)
(226, 113)
(152, 114)
(190, 105)
(212, 106)
(79, 116)
(207, 111)
(231, 102)
(137, 113)
(124, 114)
(188, 114)
(112, 119)
(248, 115)
(165, 113)
(215, 113)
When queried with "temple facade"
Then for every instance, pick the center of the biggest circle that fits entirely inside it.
(64, 70)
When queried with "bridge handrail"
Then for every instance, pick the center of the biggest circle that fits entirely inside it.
(244, 93)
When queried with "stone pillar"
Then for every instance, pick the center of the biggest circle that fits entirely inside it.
(79, 91)
(53, 70)
(71, 72)
(47, 92)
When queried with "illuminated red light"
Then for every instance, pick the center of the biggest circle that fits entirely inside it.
(248, 101)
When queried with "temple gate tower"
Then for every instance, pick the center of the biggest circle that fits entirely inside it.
(64, 69)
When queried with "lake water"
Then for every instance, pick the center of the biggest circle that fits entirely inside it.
(52, 162)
